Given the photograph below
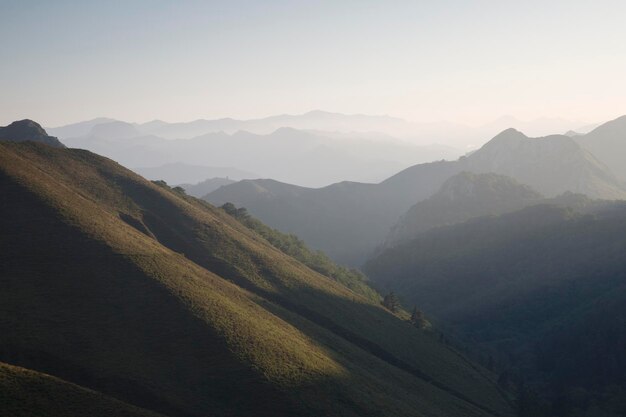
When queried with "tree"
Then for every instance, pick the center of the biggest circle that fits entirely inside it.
(242, 213)
(238, 213)
(391, 302)
(416, 315)
(418, 319)
(229, 208)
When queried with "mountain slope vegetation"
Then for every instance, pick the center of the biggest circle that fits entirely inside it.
(144, 294)
(542, 290)
(316, 260)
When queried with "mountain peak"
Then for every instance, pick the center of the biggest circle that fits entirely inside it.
(23, 128)
(472, 185)
(114, 130)
(461, 197)
(509, 134)
(508, 139)
(28, 130)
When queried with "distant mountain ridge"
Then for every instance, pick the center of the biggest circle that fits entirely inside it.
(78, 129)
(608, 143)
(114, 130)
(312, 120)
(551, 165)
(349, 220)
(453, 134)
(207, 186)
(462, 197)
(181, 173)
(286, 154)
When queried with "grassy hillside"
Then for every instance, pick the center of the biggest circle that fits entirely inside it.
(542, 290)
(316, 260)
(26, 393)
(167, 303)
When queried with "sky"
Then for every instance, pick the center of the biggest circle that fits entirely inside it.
(462, 61)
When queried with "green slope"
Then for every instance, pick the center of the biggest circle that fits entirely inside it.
(169, 304)
(541, 290)
(26, 393)
(316, 260)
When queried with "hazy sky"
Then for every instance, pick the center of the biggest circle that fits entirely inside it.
(464, 61)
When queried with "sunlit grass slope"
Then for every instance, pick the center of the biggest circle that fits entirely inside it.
(167, 303)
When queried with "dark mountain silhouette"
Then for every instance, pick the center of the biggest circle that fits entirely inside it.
(542, 290)
(608, 143)
(348, 220)
(27, 130)
(462, 197)
(160, 300)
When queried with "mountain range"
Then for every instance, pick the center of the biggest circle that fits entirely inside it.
(349, 220)
(292, 148)
(304, 157)
(180, 173)
(205, 187)
(453, 134)
(124, 296)
(135, 293)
